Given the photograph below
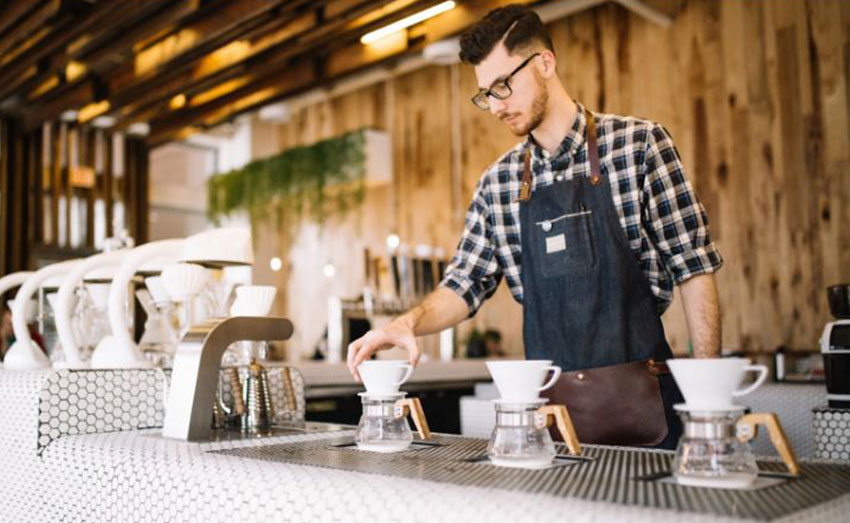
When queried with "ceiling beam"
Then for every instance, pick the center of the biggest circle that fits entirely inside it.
(49, 53)
(13, 11)
(354, 57)
(23, 28)
(297, 77)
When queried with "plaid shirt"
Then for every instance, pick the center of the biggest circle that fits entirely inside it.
(666, 226)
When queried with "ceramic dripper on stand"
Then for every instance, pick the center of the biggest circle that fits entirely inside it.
(160, 336)
(714, 451)
(521, 437)
(383, 426)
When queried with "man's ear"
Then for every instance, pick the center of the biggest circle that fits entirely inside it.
(548, 64)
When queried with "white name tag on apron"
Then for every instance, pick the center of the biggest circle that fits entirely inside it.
(556, 243)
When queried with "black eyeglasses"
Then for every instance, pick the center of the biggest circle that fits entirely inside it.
(500, 89)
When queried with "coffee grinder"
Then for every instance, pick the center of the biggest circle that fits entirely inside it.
(835, 347)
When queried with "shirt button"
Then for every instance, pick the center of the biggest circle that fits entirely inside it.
(547, 226)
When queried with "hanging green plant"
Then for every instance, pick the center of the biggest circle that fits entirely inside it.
(312, 181)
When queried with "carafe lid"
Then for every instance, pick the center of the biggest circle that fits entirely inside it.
(684, 407)
(370, 396)
(516, 403)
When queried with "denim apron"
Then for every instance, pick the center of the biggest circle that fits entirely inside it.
(586, 301)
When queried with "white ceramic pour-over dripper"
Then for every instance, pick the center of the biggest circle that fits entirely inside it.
(118, 350)
(64, 303)
(710, 384)
(183, 281)
(520, 381)
(25, 354)
(382, 378)
(219, 248)
(253, 300)
(157, 289)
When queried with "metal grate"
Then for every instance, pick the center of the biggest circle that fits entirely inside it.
(611, 475)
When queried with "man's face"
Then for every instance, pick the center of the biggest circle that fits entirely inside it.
(525, 108)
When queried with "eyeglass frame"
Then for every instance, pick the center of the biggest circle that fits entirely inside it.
(489, 91)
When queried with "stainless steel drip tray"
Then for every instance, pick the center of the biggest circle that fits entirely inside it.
(608, 475)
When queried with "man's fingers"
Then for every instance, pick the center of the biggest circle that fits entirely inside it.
(414, 355)
(353, 350)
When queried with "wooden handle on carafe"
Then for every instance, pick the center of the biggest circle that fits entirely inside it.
(776, 433)
(564, 424)
(413, 407)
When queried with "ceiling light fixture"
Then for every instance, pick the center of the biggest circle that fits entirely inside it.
(406, 22)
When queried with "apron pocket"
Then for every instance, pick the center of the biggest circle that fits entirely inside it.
(565, 244)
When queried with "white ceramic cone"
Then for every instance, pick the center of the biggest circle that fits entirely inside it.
(184, 281)
(157, 289)
(99, 293)
(253, 300)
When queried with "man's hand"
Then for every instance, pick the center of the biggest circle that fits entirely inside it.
(397, 333)
(440, 309)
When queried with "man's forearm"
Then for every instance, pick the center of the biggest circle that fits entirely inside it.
(441, 309)
(702, 312)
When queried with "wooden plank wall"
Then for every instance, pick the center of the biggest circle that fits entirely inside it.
(36, 171)
(756, 96)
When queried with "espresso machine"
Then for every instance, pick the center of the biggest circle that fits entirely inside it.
(835, 347)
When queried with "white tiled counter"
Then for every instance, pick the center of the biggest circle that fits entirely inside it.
(135, 475)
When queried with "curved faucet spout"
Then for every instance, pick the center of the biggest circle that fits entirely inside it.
(197, 362)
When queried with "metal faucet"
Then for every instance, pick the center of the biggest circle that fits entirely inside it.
(197, 362)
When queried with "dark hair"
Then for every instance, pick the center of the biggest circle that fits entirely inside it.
(479, 40)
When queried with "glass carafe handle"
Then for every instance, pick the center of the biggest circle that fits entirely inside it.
(747, 429)
(412, 406)
(564, 424)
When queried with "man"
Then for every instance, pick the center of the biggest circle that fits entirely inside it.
(592, 222)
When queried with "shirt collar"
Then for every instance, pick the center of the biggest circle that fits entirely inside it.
(569, 145)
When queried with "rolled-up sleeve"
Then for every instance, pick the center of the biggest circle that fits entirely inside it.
(474, 272)
(674, 218)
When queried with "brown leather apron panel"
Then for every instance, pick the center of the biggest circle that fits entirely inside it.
(614, 405)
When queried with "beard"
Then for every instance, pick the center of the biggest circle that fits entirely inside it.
(536, 113)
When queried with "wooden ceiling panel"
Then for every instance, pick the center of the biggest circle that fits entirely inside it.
(180, 64)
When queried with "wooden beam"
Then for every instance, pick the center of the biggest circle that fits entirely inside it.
(13, 11)
(190, 43)
(103, 13)
(297, 76)
(301, 36)
(356, 57)
(98, 55)
(37, 18)
(217, 69)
